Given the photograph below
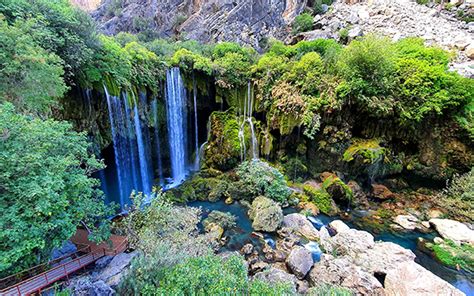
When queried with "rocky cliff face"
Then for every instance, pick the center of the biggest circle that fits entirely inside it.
(87, 5)
(244, 21)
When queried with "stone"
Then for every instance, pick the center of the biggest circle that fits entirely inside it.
(354, 33)
(257, 267)
(352, 242)
(274, 276)
(302, 287)
(67, 248)
(342, 272)
(324, 240)
(247, 249)
(309, 207)
(85, 286)
(116, 269)
(299, 224)
(408, 222)
(409, 278)
(103, 262)
(435, 213)
(266, 215)
(383, 257)
(299, 261)
(338, 226)
(426, 224)
(437, 240)
(358, 195)
(470, 51)
(229, 200)
(381, 192)
(215, 231)
(453, 230)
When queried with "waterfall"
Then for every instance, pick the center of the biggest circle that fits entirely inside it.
(196, 138)
(154, 107)
(111, 102)
(247, 118)
(177, 123)
(146, 184)
(131, 143)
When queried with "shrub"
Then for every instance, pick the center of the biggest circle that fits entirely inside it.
(263, 179)
(208, 275)
(302, 23)
(321, 199)
(368, 67)
(329, 290)
(223, 219)
(458, 197)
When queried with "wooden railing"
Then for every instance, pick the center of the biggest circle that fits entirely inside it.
(37, 282)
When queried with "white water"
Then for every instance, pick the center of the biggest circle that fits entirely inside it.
(247, 118)
(196, 136)
(146, 184)
(177, 123)
(154, 107)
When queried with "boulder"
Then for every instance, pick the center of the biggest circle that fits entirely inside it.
(408, 222)
(299, 261)
(453, 230)
(116, 269)
(247, 249)
(266, 215)
(325, 240)
(215, 231)
(383, 257)
(409, 278)
(342, 272)
(85, 286)
(309, 207)
(274, 276)
(338, 226)
(67, 248)
(299, 224)
(352, 242)
(381, 192)
(358, 195)
(470, 51)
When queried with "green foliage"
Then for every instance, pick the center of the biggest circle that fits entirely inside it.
(426, 89)
(455, 256)
(61, 28)
(368, 150)
(367, 65)
(458, 197)
(223, 219)
(46, 188)
(30, 76)
(302, 23)
(321, 199)
(232, 64)
(306, 73)
(414, 48)
(208, 275)
(188, 61)
(262, 179)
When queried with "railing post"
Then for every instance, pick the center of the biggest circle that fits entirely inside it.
(18, 288)
(46, 276)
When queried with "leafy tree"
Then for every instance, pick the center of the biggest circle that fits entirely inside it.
(45, 188)
(302, 23)
(61, 28)
(30, 76)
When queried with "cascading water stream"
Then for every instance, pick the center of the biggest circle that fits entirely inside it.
(177, 122)
(196, 137)
(146, 184)
(131, 143)
(116, 145)
(247, 118)
(154, 107)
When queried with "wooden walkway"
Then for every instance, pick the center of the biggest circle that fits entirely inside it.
(27, 282)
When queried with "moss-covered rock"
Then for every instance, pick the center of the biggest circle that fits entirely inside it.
(321, 199)
(367, 156)
(452, 255)
(338, 190)
(266, 215)
(199, 188)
